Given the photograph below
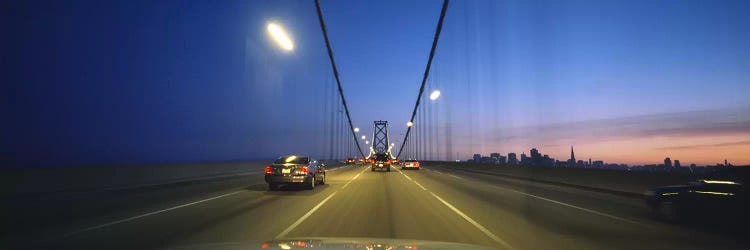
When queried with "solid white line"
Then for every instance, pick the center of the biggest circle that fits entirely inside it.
(581, 208)
(420, 185)
(147, 214)
(473, 222)
(301, 219)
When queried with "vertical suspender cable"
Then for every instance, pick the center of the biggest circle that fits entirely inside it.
(427, 69)
(336, 74)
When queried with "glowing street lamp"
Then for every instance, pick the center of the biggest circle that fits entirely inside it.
(280, 36)
(435, 95)
(364, 137)
(367, 142)
(409, 124)
(356, 130)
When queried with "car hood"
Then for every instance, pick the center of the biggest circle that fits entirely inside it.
(336, 243)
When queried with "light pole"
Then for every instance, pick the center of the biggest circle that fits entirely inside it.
(279, 35)
(435, 95)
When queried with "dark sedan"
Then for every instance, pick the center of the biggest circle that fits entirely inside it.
(295, 169)
(699, 200)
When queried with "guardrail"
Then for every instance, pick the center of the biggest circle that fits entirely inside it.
(106, 178)
(626, 183)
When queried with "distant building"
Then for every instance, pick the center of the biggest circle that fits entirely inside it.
(512, 160)
(477, 158)
(572, 160)
(572, 155)
(500, 160)
(495, 155)
(536, 157)
(561, 163)
(677, 163)
(547, 161)
(589, 162)
(487, 160)
(525, 159)
(597, 164)
(667, 162)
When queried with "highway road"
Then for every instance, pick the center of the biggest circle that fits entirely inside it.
(434, 203)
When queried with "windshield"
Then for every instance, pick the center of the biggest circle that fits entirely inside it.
(381, 158)
(292, 159)
(507, 124)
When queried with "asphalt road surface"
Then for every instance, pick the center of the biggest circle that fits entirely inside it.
(434, 204)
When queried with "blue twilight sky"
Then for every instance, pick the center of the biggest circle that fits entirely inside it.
(134, 82)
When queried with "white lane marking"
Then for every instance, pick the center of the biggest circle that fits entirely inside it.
(473, 222)
(571, 206)
(407, 177)
(301, 219)
(148, 214)
(415, 182)
(304, 217)
(420, 185)
(580, 208)
(355, 177)
(454, 176)
(466, 217)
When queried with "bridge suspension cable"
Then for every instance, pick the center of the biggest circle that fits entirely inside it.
(336, 74)
(426, 71)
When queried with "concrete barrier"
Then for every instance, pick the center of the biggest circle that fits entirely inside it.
(74, 179)
(106, 178)
(627, 183)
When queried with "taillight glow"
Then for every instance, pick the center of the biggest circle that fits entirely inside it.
(269, 170)
(304, 170)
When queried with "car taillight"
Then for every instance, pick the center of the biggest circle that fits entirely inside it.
(388, 162)
(304, 170)
(269, 170)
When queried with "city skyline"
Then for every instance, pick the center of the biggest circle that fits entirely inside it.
(511, 159)
(703, 137)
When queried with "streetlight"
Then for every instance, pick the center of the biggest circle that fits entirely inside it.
(435, 95)
(280, 36)
(409, 124)
(356, 130)
(367, 142)
(364, 137)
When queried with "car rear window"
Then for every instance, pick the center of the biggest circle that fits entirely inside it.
(292, 159)
(381, 158)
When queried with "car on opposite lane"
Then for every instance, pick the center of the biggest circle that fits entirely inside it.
(699, 201)
(297, 170)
